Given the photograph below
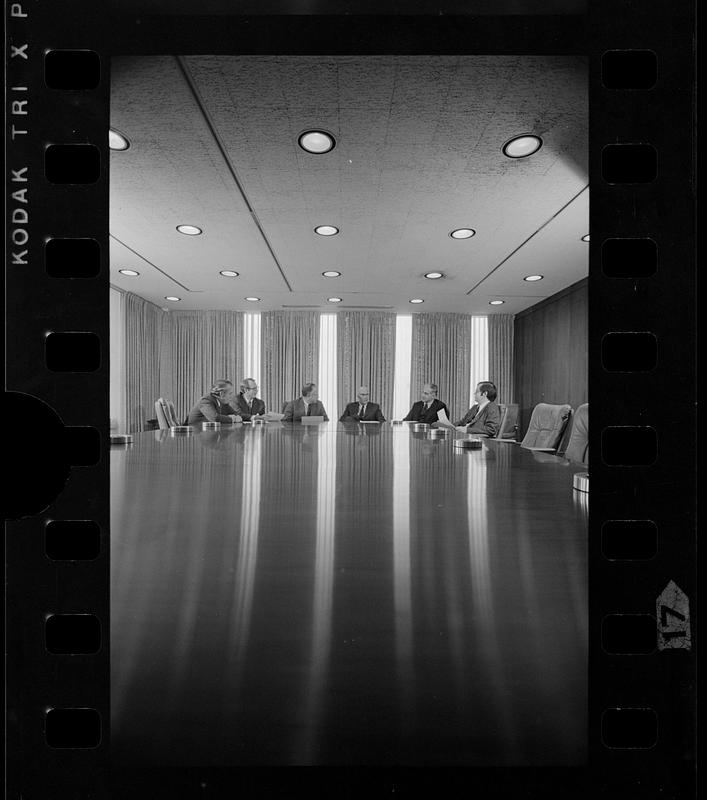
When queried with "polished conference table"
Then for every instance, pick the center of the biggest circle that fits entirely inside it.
(337, 594)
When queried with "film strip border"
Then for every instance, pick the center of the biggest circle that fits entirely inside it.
(642, 335)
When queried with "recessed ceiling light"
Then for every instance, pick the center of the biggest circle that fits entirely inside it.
(496, 302)
(531, 278)
(585, 238)
(463, 233)
(130, 272)
(189, 230)
(331, 273)
(416, 300)
(253, 299)
(228, 273)
(333, 299)
(117, 140)
(173, 299)
(326, 230)
(522, 146)
(317, 142)
(434, 275)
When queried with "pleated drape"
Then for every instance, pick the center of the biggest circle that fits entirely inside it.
(501, 355)
(366, 356)
(441, 354)
(142, 345)
(289, 351)
(203, 346)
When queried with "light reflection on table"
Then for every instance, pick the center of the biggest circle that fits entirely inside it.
(345, 594)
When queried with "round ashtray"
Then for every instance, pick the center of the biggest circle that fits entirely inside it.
(181, 430)
(468, 444)
(398, 422)
(121, 438)
(438, 433)
(258, 421)
(420, 426)
(580, 482)
(209, 426)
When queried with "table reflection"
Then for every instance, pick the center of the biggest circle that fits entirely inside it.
(290, 594)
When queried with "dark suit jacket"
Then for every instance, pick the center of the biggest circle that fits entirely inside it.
(485, 422)
(372, 412)
(244, 411)
(296, 409)
(418, 413)
(210, 409)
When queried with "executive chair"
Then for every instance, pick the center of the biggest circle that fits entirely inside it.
(508, 427)
(578, 446)
(166, 416)
(547, 424)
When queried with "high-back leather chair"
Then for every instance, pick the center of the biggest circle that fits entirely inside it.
(578, 447)
(509, 421)
(546, 426)
(166, 416)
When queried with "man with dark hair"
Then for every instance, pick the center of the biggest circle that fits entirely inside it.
(248, 405)
(484, 417)
(215, 406)
(308, 405)
(427, 409)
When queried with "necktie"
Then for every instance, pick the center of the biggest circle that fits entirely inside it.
(361, 410)
(309, 409)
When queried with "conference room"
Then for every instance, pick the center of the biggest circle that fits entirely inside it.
(385, 560)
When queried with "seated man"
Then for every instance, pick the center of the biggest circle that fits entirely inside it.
(214, 407)
(426, 410)
(307, 405)
(362, 410)
(484, 417)
(248, 405)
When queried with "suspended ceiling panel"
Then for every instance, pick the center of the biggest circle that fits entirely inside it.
(418, 154)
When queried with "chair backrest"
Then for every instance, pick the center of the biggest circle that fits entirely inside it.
(509, 421)
(547, 424)
(578, 447)
(166, 416)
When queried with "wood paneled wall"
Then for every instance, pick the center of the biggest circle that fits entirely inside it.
(551, 352)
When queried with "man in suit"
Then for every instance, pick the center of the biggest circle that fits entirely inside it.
(308, 405)
(484, 417)
(426, 410)
(247, 404)
(215, 406)
(363, 409)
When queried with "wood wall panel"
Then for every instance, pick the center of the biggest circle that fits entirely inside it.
(550, 352)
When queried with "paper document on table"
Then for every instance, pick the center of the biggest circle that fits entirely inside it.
(443, 419)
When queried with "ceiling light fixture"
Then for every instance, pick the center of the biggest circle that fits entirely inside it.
(333, 299)
(531, 278)
(117, 140)
(433, 276)
(331, 273)
(585, 238)
(317, 142)
(253, 299)
(522, 146)
(496, 302)
(326, 230)
(173, 299)
(416, 301)
(131, 272)
(228, 273)
(189, 230)
(463, 233)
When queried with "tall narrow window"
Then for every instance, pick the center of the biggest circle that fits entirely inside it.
(479, 354)
(327, 364)
(403, 366)
(251, 350)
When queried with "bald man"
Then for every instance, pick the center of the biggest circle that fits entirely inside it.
(427, 409)
(363, 409)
